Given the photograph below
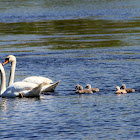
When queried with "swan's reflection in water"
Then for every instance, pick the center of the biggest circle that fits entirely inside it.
(13, 103)
(3, 105)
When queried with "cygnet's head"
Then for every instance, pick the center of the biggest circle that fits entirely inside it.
(80, 88)
(117, 88)
(88, 86)
(77, 86)
(123, 86)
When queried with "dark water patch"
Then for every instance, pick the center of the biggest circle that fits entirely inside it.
(68, 34)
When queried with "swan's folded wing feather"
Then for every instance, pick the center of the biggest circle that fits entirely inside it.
(37, 80)
(17, 87)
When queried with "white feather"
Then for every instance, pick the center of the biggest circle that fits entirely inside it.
(16, 88)
(37, 80)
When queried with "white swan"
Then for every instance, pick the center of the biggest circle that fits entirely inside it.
(32, 79)
(18, 89)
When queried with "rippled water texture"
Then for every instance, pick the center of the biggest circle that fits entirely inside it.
(77, 42)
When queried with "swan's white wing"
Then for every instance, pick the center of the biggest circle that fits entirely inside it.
(16, 88)
(37, 80)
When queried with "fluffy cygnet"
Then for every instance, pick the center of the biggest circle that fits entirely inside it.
(88, 86)
(128, 90)
(120, 91)
(79, 89)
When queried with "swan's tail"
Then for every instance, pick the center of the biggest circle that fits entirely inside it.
(50, 88)
(35, 92)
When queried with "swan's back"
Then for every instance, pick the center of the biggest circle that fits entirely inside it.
(37, 80)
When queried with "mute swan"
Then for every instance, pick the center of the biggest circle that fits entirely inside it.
(88, 86)
(17, 89)
(120, 91)
(128, 90)
(81, 90)
(32, 79)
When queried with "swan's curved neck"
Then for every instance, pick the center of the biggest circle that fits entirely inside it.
(3, 80)
(12, 73)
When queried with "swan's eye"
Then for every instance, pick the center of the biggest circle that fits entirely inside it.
(7, 59)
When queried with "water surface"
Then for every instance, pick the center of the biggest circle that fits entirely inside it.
(77, 42)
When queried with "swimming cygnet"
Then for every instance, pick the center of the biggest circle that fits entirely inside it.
(128, 90)
(82, 91)
(77, 88)
(88, 86)
(120, 91)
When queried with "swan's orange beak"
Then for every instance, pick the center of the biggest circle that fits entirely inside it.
(6, 61)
